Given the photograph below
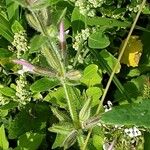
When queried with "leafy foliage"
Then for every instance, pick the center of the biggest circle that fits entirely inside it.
(55, 60)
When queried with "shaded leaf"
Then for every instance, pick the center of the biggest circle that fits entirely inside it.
(98, 40)
(137, 114)
(44, 84)
(4, 53)
(29, 141)
(32, 118)
(110, 60)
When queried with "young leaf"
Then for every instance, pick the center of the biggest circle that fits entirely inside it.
(91, 75)
(98, 40)
(17, 27)
(4, 145)
(98, 137)
(59, 141)
(95, 93)
(136, 114)
(70, 139)
(62, 116)
(62, 128)
(98, 141)
(84, 113)
(44, 84)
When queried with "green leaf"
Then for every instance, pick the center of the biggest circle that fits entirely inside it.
(57, 97)
(110, 60)
(108, 22)
(95, 93)
(136, 114)
(36, 42)
(70, 139)
(77, 21)
(23, 3)
(9, 106)
(134, 88)
(33, 117)
(98, 137)
(29, 141)
(17, 27)
(4, 53)
(5, 29)
(98, 40)
(62, 128)
(59, 141)
(7, 91)
(101, 21)
(4, 145)
(98, 142)
(84, 113)
(12, 8)
(3, 113)
(146, 140)
(44, 84)
(61, 115)
(91, 75)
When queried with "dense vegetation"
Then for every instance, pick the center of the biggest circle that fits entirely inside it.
(74, 74)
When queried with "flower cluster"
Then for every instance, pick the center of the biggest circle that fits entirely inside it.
(112, 12)
(80, 38)
(87, 7)
(80, 41)
(134, 6)
(22, 93)
(20, 43)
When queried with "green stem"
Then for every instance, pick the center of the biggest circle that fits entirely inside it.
(114, 70)
(57, 55)
(54, 51)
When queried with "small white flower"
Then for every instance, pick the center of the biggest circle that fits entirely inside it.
(132, 132)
